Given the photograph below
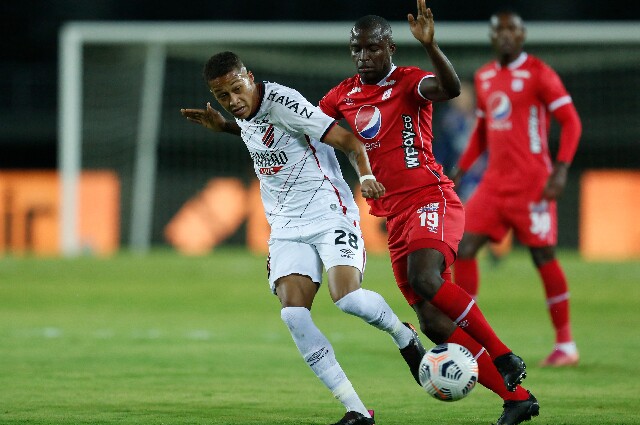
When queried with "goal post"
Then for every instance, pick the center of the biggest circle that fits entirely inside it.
(101, 101)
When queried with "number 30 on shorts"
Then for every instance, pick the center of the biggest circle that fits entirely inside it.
(352, 240)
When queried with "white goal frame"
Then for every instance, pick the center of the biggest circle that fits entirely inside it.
(157, 36)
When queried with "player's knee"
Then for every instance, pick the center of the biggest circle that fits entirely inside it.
(426, 283)
(292, 315)
(542, 256)
(352, 303)
(362, 303)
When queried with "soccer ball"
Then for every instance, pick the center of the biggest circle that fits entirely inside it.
(448, 372)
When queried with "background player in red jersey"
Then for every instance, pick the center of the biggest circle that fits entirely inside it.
(390, 110)
(516, 94)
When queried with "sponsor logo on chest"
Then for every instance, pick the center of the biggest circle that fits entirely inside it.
(499, 107)
(269, 163)
(368, 121)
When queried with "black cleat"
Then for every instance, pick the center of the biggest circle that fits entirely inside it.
(356, 418)
(516, 412)
(512, 369)
(413, 353)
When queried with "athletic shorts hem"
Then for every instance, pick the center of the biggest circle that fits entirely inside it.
(448, 252)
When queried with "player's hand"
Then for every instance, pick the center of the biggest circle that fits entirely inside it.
(556, 181)
(372, 189)
(422, 26)
(456, 177)
(209, 118)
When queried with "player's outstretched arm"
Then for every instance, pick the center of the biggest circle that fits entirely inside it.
(345, 141)
(211, 119)
(446, 84)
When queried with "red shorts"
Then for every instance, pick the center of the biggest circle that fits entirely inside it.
(534, 222)
(437, 222)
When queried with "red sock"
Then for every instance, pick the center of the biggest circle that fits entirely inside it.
(488, 375)
(466, 276)
(557, 292)
(463, 310)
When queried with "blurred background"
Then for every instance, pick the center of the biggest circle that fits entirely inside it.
(602, 77)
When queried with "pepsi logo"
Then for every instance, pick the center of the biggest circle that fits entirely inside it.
(499, 106)
(368, 121)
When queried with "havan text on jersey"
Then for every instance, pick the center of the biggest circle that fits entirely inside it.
(290, 103)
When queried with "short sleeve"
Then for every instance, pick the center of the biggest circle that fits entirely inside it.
(329, 104)
(551, 89)
(294, 114)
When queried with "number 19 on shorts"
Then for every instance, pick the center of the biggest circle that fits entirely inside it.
(429, 216)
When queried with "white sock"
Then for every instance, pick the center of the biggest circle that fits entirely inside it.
(567, 347)
(373, 309)
(319, 355)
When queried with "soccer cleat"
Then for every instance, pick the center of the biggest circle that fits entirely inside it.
(559, 358)
(356, 418)
(413, 353)
(516, 412)
(512, 369)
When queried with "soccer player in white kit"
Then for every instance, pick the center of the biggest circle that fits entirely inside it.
(311, 211)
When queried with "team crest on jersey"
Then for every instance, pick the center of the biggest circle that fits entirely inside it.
(368, 121)
(269, 136)
(517, 85)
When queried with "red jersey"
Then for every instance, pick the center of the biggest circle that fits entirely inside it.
(514, 107)
(393, 121)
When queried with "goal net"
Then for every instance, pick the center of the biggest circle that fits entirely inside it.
(122, 86)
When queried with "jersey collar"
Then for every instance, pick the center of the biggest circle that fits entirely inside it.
(381, 82)
(516, 63)
(384, 80)
(260, 87)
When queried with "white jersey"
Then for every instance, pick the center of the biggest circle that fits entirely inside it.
(300, 178)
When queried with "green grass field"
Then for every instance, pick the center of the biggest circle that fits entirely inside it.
(166, 339)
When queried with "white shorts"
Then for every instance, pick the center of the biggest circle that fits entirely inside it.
(304, 250)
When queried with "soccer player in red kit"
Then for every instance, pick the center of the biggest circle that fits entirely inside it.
(390, 110)
(516, 96)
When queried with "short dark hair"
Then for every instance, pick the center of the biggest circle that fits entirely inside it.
(506, 10)
(370, 22)
(220, 64)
